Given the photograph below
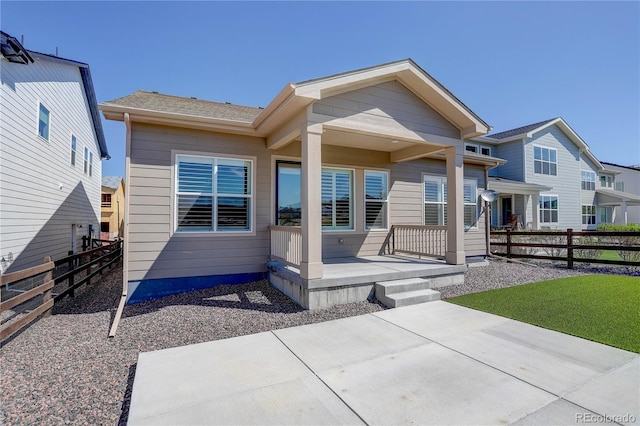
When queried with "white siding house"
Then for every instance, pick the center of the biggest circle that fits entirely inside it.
(51, 147)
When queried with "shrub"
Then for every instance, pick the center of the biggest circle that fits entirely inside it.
(587, 253)
(621, 240)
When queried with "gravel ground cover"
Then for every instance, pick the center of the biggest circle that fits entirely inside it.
(64, 370)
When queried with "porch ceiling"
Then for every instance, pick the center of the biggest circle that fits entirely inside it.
(361, 141)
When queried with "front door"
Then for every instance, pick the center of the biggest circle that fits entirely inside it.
(506, 210)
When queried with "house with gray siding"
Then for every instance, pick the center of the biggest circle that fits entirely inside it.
(221, 193)
(619, 192)
(551, 180)
(51, 147)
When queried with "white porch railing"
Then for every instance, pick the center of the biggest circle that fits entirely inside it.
(421, 240)
(286, 244)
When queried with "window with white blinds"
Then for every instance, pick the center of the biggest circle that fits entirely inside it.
(376, 190)
(435, 201)
(337, 199)
(213, 194)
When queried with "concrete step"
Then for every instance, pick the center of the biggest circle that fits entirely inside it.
(409, 298)
(386, 288)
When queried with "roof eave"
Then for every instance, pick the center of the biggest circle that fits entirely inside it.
(116, 112)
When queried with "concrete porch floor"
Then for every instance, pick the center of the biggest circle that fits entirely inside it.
(352, 279)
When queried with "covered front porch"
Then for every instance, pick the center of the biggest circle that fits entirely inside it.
(517, 205)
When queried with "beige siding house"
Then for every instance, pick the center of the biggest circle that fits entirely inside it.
(329, 170)
(112, 208)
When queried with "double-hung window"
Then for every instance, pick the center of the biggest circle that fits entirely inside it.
(213, 194)
(548, 206)
(588, 180)
(376, 189)
(606, 214)
(337, 199)
(86, 160)
(90, 164)
(606, 181)
(73, 150)
(435, 201)
(588, 215)
(44, 117)
(545, 161)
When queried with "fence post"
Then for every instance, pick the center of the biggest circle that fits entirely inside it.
(508, 242)
(46, 296)
(570, 248)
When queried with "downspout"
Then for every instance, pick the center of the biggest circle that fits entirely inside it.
(125, 252)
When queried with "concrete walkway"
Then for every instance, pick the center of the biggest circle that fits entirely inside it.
(433, 363)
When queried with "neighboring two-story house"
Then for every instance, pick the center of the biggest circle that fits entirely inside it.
(551, 180)
(112, 208)
(619, 194)
(51, 147)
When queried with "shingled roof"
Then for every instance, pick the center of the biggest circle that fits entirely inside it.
(518, 131)
(155, 101)
(111, 181)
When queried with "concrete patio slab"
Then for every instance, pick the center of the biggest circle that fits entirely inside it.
(433, 385)
(433, 363)
(346, 341)
(616, 395)
(173, 379)
(441, 320)
(559, 413)
(305, 401)
(553, 361)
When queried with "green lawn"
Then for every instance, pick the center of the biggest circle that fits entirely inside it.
(602, 308)
(610, 255)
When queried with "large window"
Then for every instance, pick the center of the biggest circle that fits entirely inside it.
(606, 214)
(337, 199)
(606, 181)
(548, 206)
(588, 180)
(73, 150)
(588, 215)
(43, 121)
(435, 201)
(545, 161)
(213, 194)
(376, 191)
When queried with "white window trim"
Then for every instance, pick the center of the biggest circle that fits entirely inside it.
(47, 139)
(487, 148)
(465, 181)
(540, 209)
(364, 196)
(74, 151)
(85, 161)
(90, 163)
(352, 203)
(595, 214)
(472, 145)
(595, 179)
(534, 160)
(215, 234)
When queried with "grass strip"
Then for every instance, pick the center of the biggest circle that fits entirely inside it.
(602, 308)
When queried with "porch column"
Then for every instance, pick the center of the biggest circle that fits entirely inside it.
(311, 264)
(455, 206)
(624, 212)
(536, 212)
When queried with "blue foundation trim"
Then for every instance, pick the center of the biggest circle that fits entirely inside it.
(139, 291)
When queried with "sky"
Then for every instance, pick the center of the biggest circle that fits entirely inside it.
(512, 63)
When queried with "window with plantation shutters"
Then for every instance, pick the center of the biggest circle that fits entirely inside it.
(213, 194)
(337, 199)
(435, 201)
(376, 190)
